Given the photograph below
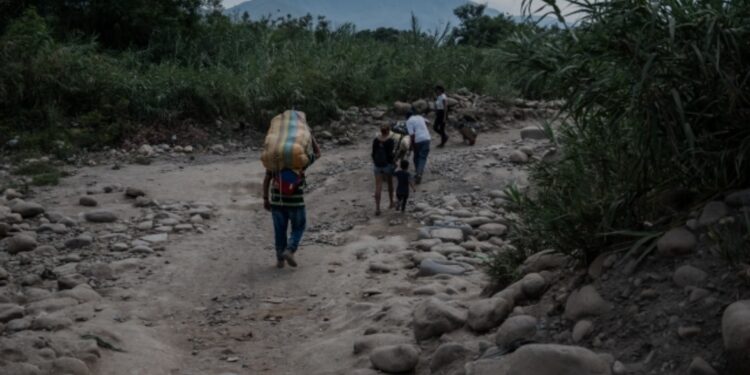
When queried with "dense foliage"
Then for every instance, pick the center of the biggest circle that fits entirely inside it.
(70, 81)
(657, 119)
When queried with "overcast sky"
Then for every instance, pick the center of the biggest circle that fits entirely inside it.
(505, 6)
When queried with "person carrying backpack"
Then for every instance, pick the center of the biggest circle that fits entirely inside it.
(383, 148)
(283, 196)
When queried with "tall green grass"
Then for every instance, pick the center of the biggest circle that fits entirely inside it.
(55, 93)
(656, 118)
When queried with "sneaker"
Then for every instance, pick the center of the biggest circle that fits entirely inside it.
(289, 257)
(280, 264)
(418, 180)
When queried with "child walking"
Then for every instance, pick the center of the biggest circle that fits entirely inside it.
(404, 183)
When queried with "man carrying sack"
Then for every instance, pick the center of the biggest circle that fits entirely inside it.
(289, 149)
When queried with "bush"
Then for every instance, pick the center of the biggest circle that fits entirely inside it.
(654, 115)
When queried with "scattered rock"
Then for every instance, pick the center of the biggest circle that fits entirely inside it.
(100, 216)
(688, 332)
(533, 285)
(678, 241)
(488, 313)
(582, 329)
(20, 243)
(740, 198)
(533, 132)
(543, 359)
(395, 359)
(454, 235)
(519, 157)
(9, 311)
(27, 209)
(134, 193)
(69, 366)
(689, 276)
(434, 317)
(20, 369)
(712, 213)
(494, 229)
(544, 260)
(699, 366)
(585, 302)
(449, 358)
(431, 267)
(156, 238)
(515, 328)
(367, 343)
(79, 242)
(87, 201)
(735, 327)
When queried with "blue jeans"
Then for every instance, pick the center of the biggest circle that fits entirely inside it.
(421, 151)
(282, 216)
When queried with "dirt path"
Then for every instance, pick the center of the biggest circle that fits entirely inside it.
(215, 303)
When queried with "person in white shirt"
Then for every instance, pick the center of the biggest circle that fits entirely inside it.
(420, 141)
(441, 114)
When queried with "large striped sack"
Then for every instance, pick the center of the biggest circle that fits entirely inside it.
(288, 143)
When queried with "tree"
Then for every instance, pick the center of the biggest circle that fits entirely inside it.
(478, 29)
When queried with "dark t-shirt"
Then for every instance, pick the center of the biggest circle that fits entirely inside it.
(382, 152)
(403, 182)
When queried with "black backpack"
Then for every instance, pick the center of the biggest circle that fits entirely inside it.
(381, 158)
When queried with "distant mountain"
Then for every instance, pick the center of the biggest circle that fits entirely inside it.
(364, 14)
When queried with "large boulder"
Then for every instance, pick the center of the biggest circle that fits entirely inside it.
(740, 198)
(585, 302)
(735, 327)
(516, 328)
(678, 241)
(488, 313)
(454, 235)
(395, 359)
(27, 209)
(434, 317)
(401, 108)
(543, 359)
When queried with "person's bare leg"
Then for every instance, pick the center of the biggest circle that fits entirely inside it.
(389, 178)
(378, 189)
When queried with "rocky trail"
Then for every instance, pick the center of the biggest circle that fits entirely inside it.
(168, 268)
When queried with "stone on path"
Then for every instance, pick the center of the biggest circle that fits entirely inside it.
(533, 132)
(87, 201)
(494, 229)
(740, 198)
(516, 328)
(689, 276)
(533, 285)
(488, 313)
(20, 243)
(27, 209)
(712, 213)
(79, 242)
(449, 358)
(582, 329)
(678, 241)
(699, 366)
(434, 317)
(70, 366)
(156, 238)
(519, 157)
(100, 216)
(431, 267)
(543, 359)
(133, 193)
(454, 235)
(395, 359)
(735, 327)
(585, 302)
(367, 343)
(10, 311)
(544, 260)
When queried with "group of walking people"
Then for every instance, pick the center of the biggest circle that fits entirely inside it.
(386, 158)
(284, 183)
